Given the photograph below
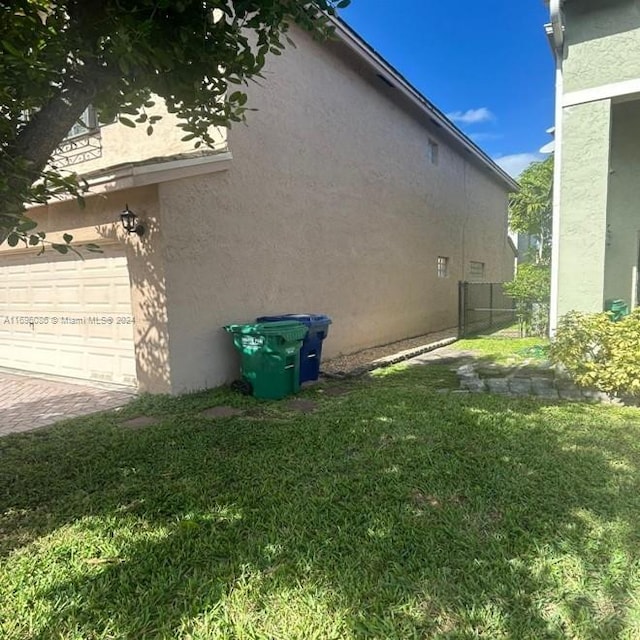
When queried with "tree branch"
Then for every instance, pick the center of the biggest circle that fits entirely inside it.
(42, 135)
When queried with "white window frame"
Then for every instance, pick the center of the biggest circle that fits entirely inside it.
(442, 266)
(87, 124)
(433, 152)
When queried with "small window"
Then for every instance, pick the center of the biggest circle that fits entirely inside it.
(476, 271)
(443, 267)
(433, 152)
(85, 124)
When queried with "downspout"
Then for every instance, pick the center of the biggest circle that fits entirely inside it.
(557, 24)
(557, 33)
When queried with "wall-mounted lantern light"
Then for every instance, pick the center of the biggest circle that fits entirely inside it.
(130, 222)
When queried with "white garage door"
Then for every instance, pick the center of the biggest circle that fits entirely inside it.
(67, 316)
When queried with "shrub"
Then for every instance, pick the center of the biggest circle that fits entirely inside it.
(598, 353)
(531, 290)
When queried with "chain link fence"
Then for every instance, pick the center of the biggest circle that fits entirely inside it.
(484, 307)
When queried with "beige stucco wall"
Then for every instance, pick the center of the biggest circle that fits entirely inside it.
(99, 223)
(583, 206)
(120, 144)
(623, 207)
(603, 46)
(331, 205)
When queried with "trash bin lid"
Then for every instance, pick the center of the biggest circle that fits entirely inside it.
(306, 318)
(290, 330)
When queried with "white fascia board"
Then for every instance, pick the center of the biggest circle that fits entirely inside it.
(130, 176)
(603, 92)
(140, 175)
(348, 37)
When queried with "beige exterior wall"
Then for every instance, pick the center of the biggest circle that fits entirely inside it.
(120, 143)
(331, 206)
(603, 46)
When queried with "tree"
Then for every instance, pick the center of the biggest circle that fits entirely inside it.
(60, 56)
(530, 213)
(531, 208)
(531, 290)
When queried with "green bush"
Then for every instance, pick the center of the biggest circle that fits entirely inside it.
(598, 353)
(531, 290)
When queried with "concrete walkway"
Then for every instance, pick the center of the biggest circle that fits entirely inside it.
(29, 402)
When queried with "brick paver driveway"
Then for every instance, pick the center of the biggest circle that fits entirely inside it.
(28, 402)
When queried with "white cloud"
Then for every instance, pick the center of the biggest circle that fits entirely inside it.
(484, 137)
(516, 163)
(472, 116)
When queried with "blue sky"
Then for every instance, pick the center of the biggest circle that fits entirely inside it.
(486, 63)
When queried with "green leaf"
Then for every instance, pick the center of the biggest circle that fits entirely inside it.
(67, 237)
(26, 225)
(126, 122)
(11, 49)
(60, 248)
(13, 239)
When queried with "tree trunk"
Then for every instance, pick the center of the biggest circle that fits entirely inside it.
(45, 131)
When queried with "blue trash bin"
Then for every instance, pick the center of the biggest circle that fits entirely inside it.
(311, 351)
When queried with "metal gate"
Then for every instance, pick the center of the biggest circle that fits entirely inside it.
(484, 306)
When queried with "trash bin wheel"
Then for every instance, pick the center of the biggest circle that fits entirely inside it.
(242, 386)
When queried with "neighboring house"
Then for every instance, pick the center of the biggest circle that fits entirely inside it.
(596, 248)
(348, 193)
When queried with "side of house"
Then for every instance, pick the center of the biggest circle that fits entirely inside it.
(596, 248)
(346, 194)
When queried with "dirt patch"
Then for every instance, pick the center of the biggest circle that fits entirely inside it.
(422, 500)
(301, 405)
(141, 422)
(221, 412)
(356, 361)
(334, 392)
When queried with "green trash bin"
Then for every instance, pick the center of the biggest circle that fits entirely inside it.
(618, 309)
(270, 357)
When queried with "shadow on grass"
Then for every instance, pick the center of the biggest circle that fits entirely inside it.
(392, 512)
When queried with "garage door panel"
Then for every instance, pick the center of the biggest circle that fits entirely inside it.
(37, 267)
(76, 306)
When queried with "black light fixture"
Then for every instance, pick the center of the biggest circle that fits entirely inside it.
(130, 222)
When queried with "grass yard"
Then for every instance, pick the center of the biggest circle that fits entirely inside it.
(506, 351)
(392, 511)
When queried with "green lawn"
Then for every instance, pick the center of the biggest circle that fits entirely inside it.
(393, 511)
(506, 350)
